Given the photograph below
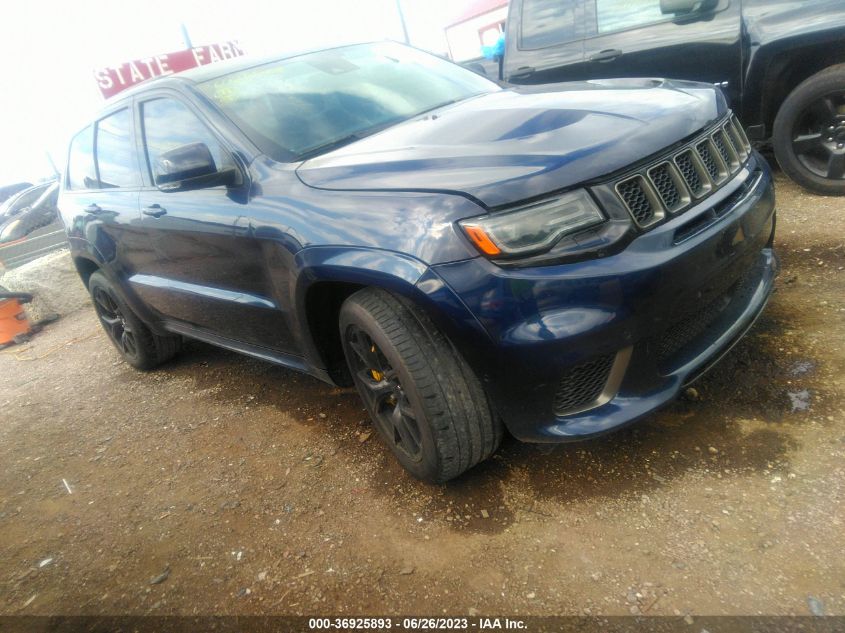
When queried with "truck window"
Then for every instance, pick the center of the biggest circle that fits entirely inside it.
(80, 171)
(547, 23)
(116, 158)
(618, 15)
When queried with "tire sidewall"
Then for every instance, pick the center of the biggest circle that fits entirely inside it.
(428, 467)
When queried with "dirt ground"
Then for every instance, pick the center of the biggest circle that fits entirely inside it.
(221, 484)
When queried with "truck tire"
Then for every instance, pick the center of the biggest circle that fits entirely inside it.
(426, 403)
(809, 133)
(137, 345)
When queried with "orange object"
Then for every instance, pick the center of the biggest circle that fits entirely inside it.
(13, 321)
(484, 243)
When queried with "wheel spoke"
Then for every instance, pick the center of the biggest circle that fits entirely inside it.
(127, 342)
(823, 110)
(836, 165)
(374, 392)
(806, 143)
(405, 432)
(103, 302)
(365, 351)
(111, 321)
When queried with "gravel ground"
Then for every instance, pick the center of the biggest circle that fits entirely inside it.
(221, 484)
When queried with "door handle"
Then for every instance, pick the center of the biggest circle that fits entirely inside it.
(523, 73)
(155, 210)
(94, 209)
(606, 56)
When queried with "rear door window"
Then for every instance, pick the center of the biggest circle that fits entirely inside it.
(116, 157)
(547, 23)
(81, 173)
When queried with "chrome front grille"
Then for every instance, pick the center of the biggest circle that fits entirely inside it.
(671, 184)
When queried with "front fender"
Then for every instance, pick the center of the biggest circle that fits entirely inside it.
(400, 274)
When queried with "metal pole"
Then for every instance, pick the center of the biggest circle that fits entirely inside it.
(185, 36)
(402, 20)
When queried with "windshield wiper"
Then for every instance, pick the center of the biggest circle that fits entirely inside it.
(310, 152)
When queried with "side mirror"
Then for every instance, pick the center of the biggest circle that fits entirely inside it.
(672, 7)
(190, 167)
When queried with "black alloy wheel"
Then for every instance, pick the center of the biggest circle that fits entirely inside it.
(809, 133)
(426, 403)
(379, 385)
(114, 323)
(818, 138)
(137, 344)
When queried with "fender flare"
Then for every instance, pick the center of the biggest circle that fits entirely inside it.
(403, 275)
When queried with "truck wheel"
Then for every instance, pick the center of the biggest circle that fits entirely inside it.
(809, 133)
(136, 343)
(426, 403)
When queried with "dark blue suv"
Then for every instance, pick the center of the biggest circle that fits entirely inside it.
(557, 261)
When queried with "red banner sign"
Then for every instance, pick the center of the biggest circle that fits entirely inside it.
(114, 79)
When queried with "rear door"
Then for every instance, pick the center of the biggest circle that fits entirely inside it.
(100, 199)
(204, 270)
(633, 38)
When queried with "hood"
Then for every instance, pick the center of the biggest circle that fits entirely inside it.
(506, 146)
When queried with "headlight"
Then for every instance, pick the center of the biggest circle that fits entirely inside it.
(535, 227)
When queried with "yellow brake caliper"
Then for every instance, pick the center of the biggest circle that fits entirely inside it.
(376, 374)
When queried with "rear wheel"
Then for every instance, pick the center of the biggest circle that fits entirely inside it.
(809, 133)
(426, 403)
(136, 343)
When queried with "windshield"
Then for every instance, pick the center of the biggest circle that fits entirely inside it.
(302, 106)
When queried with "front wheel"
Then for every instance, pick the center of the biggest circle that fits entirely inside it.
(809, 133)
(137, 345)
(425, 401)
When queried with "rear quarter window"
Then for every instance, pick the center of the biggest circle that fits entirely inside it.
(81, 173)
(117, 159)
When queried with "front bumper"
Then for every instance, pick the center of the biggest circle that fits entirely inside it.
(661, 312)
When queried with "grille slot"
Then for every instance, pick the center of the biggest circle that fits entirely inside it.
(691, 172)
(669, 186)
(726, 149)
(705, 153)
(736, 140)
(583, 384)
(640, 200)
(740, 131)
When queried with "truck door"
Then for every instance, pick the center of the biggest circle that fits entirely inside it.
(544, 41)
(634, 38)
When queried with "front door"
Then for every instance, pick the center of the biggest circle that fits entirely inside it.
(204, 269)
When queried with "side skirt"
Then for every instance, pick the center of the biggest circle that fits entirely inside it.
(278, 358)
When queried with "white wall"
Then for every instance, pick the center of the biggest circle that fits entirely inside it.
(463, 39)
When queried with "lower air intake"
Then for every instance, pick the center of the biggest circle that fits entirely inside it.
(583, 384)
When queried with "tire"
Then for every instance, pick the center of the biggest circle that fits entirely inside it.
(426, 403)
(136, 344)
(809, 133)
